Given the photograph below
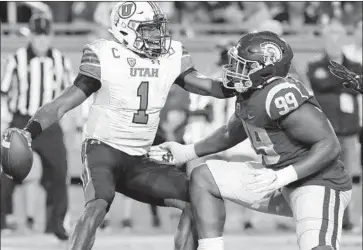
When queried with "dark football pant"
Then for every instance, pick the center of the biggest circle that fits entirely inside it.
(51, 149)
(107, 170)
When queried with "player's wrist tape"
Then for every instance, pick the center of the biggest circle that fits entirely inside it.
(190, 152)
(34, 128)
(286, 175)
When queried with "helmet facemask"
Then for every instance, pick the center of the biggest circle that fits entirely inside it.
(152, 38)
(236, 73)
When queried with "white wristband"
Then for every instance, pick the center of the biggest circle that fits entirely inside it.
(190, 152)
(286, 175)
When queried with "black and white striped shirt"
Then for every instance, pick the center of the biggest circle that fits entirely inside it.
(30, 81)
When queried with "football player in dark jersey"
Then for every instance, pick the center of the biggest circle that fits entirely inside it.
(300, 175)
(352, 80)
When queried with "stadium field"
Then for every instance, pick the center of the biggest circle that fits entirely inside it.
(124, 241)
(265, 235)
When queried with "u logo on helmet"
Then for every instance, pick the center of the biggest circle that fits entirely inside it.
(271, 52)
(127, 9)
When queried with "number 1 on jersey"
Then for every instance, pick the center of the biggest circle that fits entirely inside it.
(140, 117)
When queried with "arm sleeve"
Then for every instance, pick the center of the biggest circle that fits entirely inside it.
(88, 85)
(10, 66)
(284, 98)
(90, 63)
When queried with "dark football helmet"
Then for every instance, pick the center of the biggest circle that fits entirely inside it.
(257, 57)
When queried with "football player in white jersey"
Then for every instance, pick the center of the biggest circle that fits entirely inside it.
(130, 77)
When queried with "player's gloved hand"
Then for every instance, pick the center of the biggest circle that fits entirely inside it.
(262, 181)
(352, 80)
(181, 153)
(268, 180)
(23, 132)
(160, 155)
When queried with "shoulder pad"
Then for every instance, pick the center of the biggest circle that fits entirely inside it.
(285, 97)
(185, 52)
(97, 43)
(186, 59)
(94, 47)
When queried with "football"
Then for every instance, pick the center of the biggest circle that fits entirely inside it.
(16, 155)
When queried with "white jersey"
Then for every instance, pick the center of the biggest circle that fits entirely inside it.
(125, 110)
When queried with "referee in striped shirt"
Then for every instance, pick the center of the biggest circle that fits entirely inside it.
(33, 76)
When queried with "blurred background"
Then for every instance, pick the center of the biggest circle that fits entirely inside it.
(317, 32)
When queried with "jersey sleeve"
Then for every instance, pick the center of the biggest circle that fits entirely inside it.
(90, 62)
(186, 61)
(284, 98)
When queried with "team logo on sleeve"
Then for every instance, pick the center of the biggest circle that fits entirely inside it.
(131, 61)
(271, 52)
(127, 9)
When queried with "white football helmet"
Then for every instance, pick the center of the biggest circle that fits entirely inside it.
(141, 27)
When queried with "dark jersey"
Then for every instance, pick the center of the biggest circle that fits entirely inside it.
(261, 113)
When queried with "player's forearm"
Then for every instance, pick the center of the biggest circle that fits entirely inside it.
(209, 87)
(47, 115)
(219, 141)
(320, 156)
(219, 91)
(52, 112)
(199, 84)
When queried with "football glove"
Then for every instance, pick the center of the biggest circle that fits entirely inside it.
(180, 153)
(352, 80)
(268, 180)
(25, 133)
(160, 155)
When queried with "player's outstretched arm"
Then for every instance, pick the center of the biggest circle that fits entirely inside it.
(70, 98)
(222, 139)
(193, 81)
